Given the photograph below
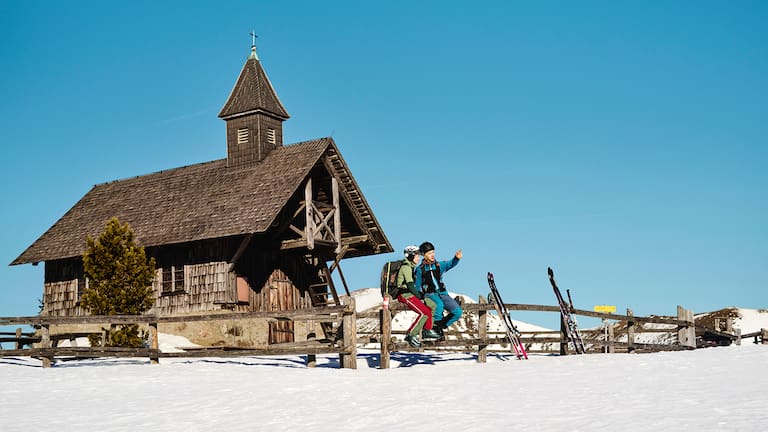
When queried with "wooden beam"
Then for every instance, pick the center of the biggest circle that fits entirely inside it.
(337, 213)
(339, 257)
(240, 250)
(309, 229)
(355, 239)
(482, 330)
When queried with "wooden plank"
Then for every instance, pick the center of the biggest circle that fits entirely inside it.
(630, 331)
(154, 342)
(385, 322)
(349, 330)
(45, 343)
(482, 330)
(686, 335)
(336, 214)
(309, 232)
(239, 252)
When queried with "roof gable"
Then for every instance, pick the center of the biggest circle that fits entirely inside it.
(253, 92)
(190, 203)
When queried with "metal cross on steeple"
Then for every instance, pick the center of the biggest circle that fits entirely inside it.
(253, 37)
(253, 44)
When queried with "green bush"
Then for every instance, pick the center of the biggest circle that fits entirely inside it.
(120, 280)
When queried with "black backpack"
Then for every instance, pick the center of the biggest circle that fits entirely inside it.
(389, 278)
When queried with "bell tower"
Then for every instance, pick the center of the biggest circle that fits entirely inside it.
(254, 115)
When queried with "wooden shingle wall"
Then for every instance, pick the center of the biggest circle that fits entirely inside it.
(60, 299)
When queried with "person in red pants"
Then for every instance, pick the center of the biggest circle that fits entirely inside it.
(408, 295)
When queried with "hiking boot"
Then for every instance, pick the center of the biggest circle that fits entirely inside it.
(439, 330)
(430, 334)
(413, 341)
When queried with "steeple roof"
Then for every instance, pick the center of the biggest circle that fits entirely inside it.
(253, 93)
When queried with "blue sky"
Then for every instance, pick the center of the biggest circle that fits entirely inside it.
(624, 145)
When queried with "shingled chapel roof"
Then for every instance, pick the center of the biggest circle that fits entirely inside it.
(253, 92)
(196, 202)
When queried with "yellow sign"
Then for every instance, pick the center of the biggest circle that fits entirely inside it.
(605, 308)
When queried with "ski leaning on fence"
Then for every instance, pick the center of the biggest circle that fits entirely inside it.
(565, 312)
(512, 333)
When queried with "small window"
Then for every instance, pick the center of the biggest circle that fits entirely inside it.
(167, 280)
(173, 280)
(271, 137)
(178, 278)
(82, 285)
(242, 136)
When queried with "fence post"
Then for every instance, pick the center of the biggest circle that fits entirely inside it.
(482, 330)
(686, 335)
(154, 344)
(18, 338)
(764, 336)
(610, 349)
(563, 336)
(735, 332)
(45, 342)
(630, 331)
(349, 329)
(311, 335)
(385, 322)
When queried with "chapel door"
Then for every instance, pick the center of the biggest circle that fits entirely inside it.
(281, 297)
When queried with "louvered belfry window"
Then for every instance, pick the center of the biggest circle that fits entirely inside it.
(271, 137)
(242, 136)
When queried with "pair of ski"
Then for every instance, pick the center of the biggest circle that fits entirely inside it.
(512, 333)
(569, 322)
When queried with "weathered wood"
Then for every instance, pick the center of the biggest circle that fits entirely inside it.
(385, 320)
(609, 341)
(686, 334)
(271, 350)
(154, 343)
(563, 336)
(239, 252)
(349, 330)
(331, 285)
(336, 215)
(18, 338)
(93, 352)
(312, 338)
(354, 240)
(21, 341)
(326, 313)
(764, 336)
(469, 308)
(309, 233)
(45, 343)
(482, 330)
(630, 330)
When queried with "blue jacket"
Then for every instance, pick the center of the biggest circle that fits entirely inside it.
(421, 282)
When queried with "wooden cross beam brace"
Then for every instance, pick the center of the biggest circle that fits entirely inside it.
(322, 221)
(240, 250)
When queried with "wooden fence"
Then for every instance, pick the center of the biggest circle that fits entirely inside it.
(622, 336)
(342, 319)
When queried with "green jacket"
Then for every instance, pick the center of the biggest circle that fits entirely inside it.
(404, 281)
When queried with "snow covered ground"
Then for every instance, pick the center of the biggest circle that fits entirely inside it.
(715, 389)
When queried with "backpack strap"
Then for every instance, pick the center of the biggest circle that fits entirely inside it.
(434, 275)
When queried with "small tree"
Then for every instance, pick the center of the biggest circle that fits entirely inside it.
(120, 280)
